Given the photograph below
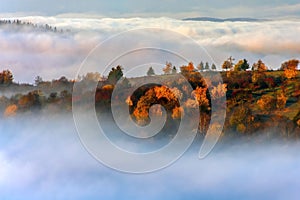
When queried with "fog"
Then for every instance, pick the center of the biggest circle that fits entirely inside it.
(42, 157)
(50, 55)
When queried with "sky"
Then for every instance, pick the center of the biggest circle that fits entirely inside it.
(145, 8)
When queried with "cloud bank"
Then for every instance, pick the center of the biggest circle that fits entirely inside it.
(50, 55)
(49, 162)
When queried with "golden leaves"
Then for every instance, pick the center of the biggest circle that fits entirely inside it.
(219, 91)
(177, 112)
(200, 95)
(290, 73)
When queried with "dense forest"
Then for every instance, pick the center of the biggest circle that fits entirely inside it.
(257, 99)
(18, 25)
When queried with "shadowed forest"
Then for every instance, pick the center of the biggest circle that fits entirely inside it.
(258, 100)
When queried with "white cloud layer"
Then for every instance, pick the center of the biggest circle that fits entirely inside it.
(30, 54)
(49, 162)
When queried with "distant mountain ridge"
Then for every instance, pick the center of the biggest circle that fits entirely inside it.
(212, 19)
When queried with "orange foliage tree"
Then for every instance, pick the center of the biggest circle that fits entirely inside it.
(259, 66)
(156, 95)
(187, 69)
(6, 77)
(168, 68)
(200, 95)
(290, 68)
(177, 112)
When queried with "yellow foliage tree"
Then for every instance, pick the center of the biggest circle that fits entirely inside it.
(168, 68)
(290, 68)
(259, 66)
(177, 112)
(219, 91)
(199, 94)
(159, 94)
(187, 69)
(290, 73)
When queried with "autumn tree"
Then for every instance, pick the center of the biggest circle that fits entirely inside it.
(259, 66)
(187, 69)
(167, 69)
(237, 66)
(290, 68)
(258, 74)
(177, 112)
(228, 64)
(191, 67)
(6, 77)
(200, 67)
(290, 64)
(267, 103)
(199, 95)
(156, 95)
(290, 74)
(281, 99)
(150, 72)
(219, 91)
(242, 65)
(241, 118)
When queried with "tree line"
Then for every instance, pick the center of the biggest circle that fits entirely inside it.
(18, 24)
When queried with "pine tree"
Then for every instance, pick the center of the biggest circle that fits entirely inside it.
(150, 72)
(200, 67)
(213, 66)
(206, 66)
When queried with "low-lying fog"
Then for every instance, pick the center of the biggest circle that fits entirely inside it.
(42, 158)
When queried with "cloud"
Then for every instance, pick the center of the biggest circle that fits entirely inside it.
(49, 55)
(49, 162)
